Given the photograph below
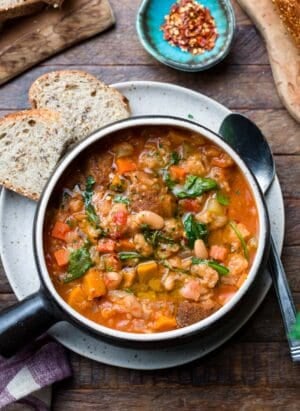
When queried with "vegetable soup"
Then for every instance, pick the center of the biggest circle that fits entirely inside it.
(152, 230)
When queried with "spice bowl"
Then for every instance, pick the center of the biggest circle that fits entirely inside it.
(151, 17)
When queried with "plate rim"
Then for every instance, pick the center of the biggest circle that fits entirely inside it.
(95, 356)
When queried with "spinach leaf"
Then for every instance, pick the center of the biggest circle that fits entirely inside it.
(295, 331)
(195, 186)
(80, 261)
(123, 255)
(87, 197)
(223, 199)
(167, 179)
(121, 199)
(221, 269)
(194, 230)
(175, 158)
(241, 238)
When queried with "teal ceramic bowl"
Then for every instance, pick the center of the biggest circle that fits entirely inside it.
(150, 18)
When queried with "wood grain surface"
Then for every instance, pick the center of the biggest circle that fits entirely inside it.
(27, 41)
(283, 53)
(253, 370)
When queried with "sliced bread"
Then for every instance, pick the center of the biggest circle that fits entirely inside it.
(17, 8)
(31, 143)
(85, 103)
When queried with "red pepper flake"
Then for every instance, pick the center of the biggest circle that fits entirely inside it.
(191, 27)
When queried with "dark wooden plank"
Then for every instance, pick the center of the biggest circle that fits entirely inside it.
(281, 130)
(292, 212)
(288, 170)
(235, 86)
(247, 48)
(188, 398)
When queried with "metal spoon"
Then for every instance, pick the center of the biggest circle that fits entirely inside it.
(246, 138)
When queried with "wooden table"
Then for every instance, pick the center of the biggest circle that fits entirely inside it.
(253, 370)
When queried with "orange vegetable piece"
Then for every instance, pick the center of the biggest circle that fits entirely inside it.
(93, 284)
(106, 245)
(218, 252)
(125, 165)
(164, 323)
(62, 257)
(60, 230)
(225, 293)
(177, 173)
(126, 244)
(76, 298)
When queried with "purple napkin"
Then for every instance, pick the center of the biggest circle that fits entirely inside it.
(38, 366)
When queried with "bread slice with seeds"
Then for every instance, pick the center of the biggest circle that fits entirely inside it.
(85, 103)
(31, 143)
(17, 8)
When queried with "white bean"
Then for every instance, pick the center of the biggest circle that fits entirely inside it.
(200, 249)
(153, 220)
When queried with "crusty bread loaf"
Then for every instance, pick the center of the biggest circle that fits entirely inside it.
(17, 8)
(85, 103)
(290, 13)
(31, 143)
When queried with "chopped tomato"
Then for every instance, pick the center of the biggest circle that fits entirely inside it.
(218, 252)
(120, 217)
(177, 173)
(106, 245)
(62, 257)
(191, 205)
(60, 230)
(125, 165)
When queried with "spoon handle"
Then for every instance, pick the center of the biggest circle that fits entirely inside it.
(287, 306)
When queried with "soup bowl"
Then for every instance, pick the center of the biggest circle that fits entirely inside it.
(34, 315)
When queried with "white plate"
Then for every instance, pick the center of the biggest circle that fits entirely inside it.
(16, 225)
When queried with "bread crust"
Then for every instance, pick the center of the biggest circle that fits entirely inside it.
(289, 11)
(28, 7)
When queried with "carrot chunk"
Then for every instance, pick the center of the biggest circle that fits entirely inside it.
(164, 323)
(62, 257)
(126, 244)
(125, 165)
(93, 284)
(106, 245)
(60, 230)
(218, 252)
(177, 173)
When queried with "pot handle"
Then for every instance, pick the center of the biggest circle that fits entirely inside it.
(23, 322)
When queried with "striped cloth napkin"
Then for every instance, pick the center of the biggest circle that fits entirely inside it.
(38, 366)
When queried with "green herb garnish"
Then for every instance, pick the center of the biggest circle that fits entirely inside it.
(129, 255)
(195, 186)
(175, 158)
(121, 199)
(221, 269)
(241, 238)
(194, 230)
(128, 290)
(87, 197)
(190, 116)
(154, 237)
(222, 198)
(295, 331)
(79, 263)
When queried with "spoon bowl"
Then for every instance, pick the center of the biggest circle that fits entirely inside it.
(150, 18)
